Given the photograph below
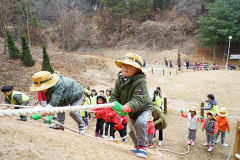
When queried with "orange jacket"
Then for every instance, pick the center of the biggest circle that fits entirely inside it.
(223, 123)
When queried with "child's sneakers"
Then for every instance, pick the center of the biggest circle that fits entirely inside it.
(141, 152)
(151, 146)
(111, 137)
(56, 126)
(210, 149)
(206, 144)
(105, 137)
(134, 149)
(224, 145)
(82, 129)
(189, 142)
(159, 143)
(193, 143)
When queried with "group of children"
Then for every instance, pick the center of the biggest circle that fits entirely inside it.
(130, 97)
(215, 124)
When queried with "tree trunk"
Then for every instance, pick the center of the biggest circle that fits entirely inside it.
(18, 30)
(214, 51)
(29, 39)
(225, 51)
(4, 32)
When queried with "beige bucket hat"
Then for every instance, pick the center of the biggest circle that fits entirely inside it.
(133, 60)
(43, 80)
(223, 112)
(193, 109)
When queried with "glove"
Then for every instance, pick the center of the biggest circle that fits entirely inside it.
(202, 130)
(48, 119)
(201, 117)
(215, 135)
(36, 116)
(122, 113)
(228, 132)
(181, 110)
(117, 107)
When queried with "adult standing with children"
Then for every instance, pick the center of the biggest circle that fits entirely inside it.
(60, 91)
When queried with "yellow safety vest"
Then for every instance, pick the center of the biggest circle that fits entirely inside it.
(158, 101)
(215, 109)
(87, 102)
(93, 100)
(107, 98)
(25, 98)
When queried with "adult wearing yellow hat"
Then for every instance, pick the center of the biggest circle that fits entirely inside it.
(60, 91)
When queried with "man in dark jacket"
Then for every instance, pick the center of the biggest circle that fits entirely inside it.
(60, 91)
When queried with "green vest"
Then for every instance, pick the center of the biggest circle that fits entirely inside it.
(107, 98)
(215, 109)
(87, 102)
(93, 100)
(25, 98)
(158, 101)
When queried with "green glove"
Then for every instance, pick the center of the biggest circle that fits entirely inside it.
(228, 132)
(202, 130)
(215, 135)
(118, 107)
(49, 119)
(122, 113)
(36, 116)
(181, 110)
(201, 117)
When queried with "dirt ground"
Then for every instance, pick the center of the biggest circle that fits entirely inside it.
(33, 140)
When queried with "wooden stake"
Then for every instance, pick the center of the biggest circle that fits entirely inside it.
(236, 149)
(165, 105)
(201, 110)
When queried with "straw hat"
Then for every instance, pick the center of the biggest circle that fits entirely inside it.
(86, 91)
(213, 114)
(133, 60)
(193, 109)
(43, 80)
(223, 112)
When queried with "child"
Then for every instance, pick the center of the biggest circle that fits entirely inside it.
(159, 122)
(131, 91)
(112, 120)
(60, 91)
(108, 95)
(192, 123)
(212, 104)
(151, 132)
(118, 126)
(93, 97)
(85, 101)
(16, 98)
(101, 92)
(222, 126)
(157, 98)
(211, 126)
(101, 114)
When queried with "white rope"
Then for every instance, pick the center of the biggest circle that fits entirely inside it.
(41, 110)
(20, 106)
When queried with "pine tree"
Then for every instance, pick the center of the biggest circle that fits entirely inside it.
(26, 57)
(12, 49)
(46, 65)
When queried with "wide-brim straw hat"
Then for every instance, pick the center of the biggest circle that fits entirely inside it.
(193, 109)
(86, 91)
(213, 114)
(223, 112)
(133, 60)
(43, 80)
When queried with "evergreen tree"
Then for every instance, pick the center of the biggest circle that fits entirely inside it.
(26, 57)
(46, 65)
(12, 49)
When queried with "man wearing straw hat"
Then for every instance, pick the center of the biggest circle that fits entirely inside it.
(60, 91)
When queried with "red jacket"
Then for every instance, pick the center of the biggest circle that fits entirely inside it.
(151, 127)
(112, 116)
(124, 119)
(118, 126)
(101, 113)
(108, 110)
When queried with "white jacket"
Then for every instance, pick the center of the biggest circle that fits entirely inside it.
(192, 122)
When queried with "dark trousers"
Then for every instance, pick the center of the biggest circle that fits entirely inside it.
(107, 124)
(125, 129)
(160, 138)
(120, 132)
(111, 129)
(99, 126)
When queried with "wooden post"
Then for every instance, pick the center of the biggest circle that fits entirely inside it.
(163, 71)
(165, 105)
(152, 70)
(201, 110)
(236, 149)
(170, 73)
